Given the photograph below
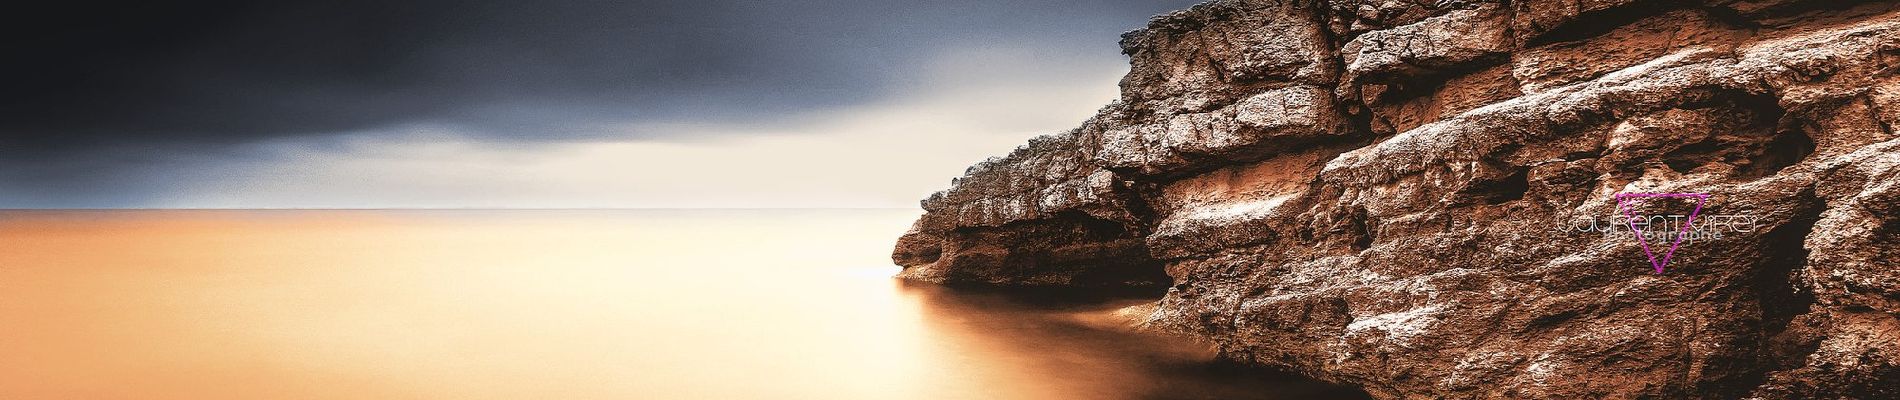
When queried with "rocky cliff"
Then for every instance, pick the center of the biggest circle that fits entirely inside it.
(1422, 198)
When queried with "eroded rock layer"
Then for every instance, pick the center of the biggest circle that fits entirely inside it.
(1420, 198)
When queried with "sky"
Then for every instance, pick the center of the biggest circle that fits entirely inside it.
(555, 104)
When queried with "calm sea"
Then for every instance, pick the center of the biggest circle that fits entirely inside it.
(545, 305)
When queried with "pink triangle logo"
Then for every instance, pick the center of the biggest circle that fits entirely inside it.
(1623, 200)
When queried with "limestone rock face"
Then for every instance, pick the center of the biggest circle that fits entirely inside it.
(1421, 198)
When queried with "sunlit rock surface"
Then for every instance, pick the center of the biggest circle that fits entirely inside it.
(1387, 194)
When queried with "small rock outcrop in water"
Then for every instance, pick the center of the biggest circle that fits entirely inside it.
(1411, 196)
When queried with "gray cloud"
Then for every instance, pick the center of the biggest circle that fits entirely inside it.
(93, 90)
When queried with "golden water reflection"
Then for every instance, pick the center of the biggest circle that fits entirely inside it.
(538, 304)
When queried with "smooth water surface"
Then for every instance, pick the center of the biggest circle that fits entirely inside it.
(543, 304)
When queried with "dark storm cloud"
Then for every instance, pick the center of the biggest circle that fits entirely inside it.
(91, 92)
(85, 75)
